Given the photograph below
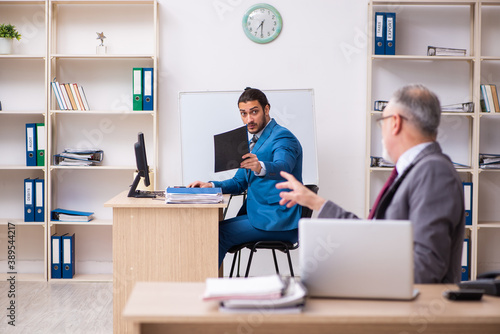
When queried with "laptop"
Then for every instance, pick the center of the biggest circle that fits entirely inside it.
(351, 258)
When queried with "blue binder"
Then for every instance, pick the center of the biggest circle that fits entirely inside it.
(39, 200)
(55, 259)
(29, 200)
(31, 144)
(147, 91)
(468, 202)
(390, 34)
(465, 260)
(379, 33)
(68, 257)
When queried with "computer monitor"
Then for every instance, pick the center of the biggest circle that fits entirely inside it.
(142, 169)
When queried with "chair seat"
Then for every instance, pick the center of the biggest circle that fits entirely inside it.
(274, 245)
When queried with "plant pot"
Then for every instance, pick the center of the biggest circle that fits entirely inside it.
(5, 46)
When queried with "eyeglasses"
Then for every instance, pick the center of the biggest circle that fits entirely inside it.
(379, 121)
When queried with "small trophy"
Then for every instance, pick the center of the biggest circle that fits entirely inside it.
(101, 48)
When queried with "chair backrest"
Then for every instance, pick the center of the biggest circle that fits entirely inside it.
(306, 212)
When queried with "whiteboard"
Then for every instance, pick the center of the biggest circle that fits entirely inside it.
(204, 114)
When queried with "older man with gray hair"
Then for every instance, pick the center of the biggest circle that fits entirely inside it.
(424, 187)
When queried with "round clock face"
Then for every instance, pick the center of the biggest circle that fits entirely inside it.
(262, 23)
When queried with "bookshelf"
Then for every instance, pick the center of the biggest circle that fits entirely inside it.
(470, 25)
(131, 30)
(59, 41)
(22, 74)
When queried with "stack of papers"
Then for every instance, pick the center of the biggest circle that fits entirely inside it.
(176, 195)
(71, 215)
(440, 51)
(78, 157)
(458, 107)
(489, 161)
(262, 294)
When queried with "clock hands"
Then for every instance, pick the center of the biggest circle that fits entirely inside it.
(261, 26)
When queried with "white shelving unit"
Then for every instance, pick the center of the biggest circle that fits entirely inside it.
(131, 30)
(59, 41)
(23, 96)
(470, 25)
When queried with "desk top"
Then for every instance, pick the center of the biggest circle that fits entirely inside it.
(122, 201)
(174, 302)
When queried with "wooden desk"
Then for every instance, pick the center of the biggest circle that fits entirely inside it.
(164, 307)
(154, 241)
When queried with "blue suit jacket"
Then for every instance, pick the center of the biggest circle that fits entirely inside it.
(279, 150)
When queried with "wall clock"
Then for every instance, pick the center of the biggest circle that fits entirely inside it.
(262, 23)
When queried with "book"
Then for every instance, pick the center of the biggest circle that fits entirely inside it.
(442, 51)
(494, 93)
(185, 195)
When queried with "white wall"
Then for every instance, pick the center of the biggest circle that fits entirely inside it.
(322, 46)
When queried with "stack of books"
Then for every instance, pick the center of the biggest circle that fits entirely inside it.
(256, 294)
(182, 195)
(78, 157)
(440, 51)
(489, 161)
(70, 96)
(489, 98)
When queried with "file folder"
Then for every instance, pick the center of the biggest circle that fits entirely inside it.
(390, 34)
(465, 260)
(137, 88)
(29, 200)
(147, 96)
(55, 259)
(40, 144)
(379, 33)
(68, 257)
(39, 200)
(468, 202)
(31, 144)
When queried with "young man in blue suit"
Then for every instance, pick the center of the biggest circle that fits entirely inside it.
(274, 149)
(427, 190)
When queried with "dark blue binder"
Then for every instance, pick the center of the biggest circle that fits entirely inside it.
(29, 200)
(390, 33)
(465, 260)
(55, 259)
(147, 91)
(68, 256)
(31, 144)
(39, 200)
(380, 33)
(468, 202)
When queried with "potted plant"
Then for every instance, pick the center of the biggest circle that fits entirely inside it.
(7, 34)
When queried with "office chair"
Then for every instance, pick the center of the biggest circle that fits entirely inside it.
(283, 246)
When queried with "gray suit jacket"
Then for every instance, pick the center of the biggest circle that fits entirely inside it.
(430, 195)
